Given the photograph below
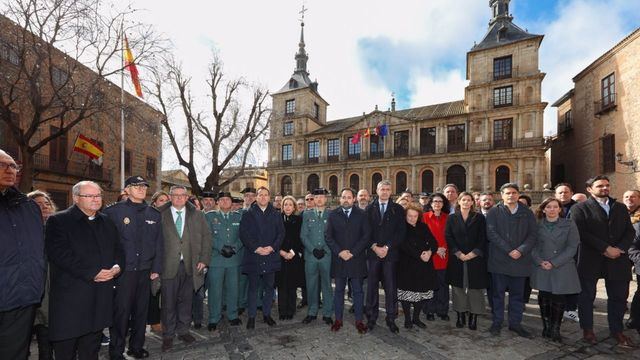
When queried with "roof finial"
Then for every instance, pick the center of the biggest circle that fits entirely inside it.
(301, 55)
(393, 101)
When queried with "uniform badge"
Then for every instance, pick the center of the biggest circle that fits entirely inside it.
(215, 221)
(126, 221)
(150, 222)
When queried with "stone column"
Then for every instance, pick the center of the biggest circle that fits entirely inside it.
(486, 176)
(520, 173)
(414, 180)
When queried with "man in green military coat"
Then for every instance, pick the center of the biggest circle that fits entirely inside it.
(226, 257)
(317, 258)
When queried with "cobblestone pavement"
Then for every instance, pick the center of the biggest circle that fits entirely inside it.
(441, 340)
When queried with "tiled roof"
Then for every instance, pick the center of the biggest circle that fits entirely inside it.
(509, 33)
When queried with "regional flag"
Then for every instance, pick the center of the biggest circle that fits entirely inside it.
(133, 70)
(86, 146)
(356, 138)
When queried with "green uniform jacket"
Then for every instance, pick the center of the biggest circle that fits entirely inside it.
(224, 231)
(312, 233)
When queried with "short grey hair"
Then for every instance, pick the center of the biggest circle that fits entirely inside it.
(76, 189)
(451, 186)
(176, 187)
(383, 183)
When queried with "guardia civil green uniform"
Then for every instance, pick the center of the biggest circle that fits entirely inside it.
(317, 270)
(223, 275)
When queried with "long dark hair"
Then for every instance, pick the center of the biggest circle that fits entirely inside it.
(446, 206)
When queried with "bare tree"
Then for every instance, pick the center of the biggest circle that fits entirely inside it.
(224, 134)
(56, 56)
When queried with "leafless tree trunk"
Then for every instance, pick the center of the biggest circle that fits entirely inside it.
(224, 134)
(57, 55)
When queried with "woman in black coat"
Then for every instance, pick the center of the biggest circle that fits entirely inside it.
(467, 269)
(291, 275)
(416, 275)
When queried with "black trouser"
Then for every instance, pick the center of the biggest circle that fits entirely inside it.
(177, 296)
(130, 308)
(439, 304)
(634, 313)
(15, 332)
(572, 302)
(153, 316)
(85, 347)
(287, 300)
(45, 351)
(385, 271)
(617, 293)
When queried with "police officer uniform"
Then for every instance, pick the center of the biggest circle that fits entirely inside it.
(141, 238)
(224, 267)
(317, 265)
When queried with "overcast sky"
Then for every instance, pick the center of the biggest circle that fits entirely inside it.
(362, 51)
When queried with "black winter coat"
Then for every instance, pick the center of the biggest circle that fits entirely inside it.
(21, 251)
(78, 249)
(389, 231)
(291, 274)
(413, 273)
(261, 229)
(597, 232)
(465, 237)
(351, 234)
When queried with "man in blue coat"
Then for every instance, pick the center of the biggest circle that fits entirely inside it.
(347, 236)
(388, 227)
(21, 260)
(140, 231)
(261, 232)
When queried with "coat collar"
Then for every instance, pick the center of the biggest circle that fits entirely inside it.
(77, 214)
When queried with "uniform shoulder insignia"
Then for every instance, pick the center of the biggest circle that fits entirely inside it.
(111, 205)
(155, 208)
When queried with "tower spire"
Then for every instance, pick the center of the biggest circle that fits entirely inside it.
(301, 56)
(500, 10)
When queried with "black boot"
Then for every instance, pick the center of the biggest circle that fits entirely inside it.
(406, 309)
(545, 313)
(45, 350)
(417, 309)
(557, 311)
(462, 319)
(473, 321)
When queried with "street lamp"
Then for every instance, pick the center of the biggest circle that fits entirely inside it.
(629, 163)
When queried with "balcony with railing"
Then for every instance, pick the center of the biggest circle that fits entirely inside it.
(515, 101)
(85, 170)
(605, 104)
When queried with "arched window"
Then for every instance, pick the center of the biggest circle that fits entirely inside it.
(456, 174)
(401, 182)
(354, 182)
(502, 176)
(427, 181)
(333, 185)
(286, 185)
(313, 182)
(375, 179)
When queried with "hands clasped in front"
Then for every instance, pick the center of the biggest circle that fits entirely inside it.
(381, 251)
(264, 250)
(107, 274)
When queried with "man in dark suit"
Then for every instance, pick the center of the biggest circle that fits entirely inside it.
(347, 236)
(187, 250)
(606, 234)
(85, 254)
(261, 232)
(388, 227)
(141, 237)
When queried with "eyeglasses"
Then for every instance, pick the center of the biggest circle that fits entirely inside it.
(310, 199)
(4, 166)
(92, 197)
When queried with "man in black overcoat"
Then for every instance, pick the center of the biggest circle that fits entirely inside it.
(347, 235)
(85, 254)
(388, 227)
(606, 234)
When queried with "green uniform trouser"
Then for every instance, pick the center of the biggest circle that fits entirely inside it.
(319, 271)
(223, 281)
(243, 288)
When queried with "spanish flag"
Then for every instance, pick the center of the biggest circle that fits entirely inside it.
(129, 64)
(367, 133)
(86, 146)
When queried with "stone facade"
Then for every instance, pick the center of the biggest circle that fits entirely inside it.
(57, 167)
(254, 177)
(598, 119)
(478, 143)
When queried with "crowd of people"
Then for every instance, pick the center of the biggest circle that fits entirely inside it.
(70, 274)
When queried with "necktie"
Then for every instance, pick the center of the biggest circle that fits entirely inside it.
(382, 209)
(346, 212)
(179, 223)
(320, 214)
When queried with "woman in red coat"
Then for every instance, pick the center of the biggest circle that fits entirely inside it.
(436, 220)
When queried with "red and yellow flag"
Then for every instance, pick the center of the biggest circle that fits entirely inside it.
(367, 133)
(133, 70)
(86, 146)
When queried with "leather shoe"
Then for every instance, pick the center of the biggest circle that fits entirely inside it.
(269, 321)
(419, 324)
(187, 338)
(251, 323)
(197, 326)
(212, 326)
(235, 322)
(138, 354)
(623, 340)
(589, 336)
(361, 327)
(327, 320)
(167, 344)
(392, 326)
(336, 325)
(308, 319)
(240, 311)
(494, 330)
(371, 325)
(431, 317)
(520, 331)
(444, 317)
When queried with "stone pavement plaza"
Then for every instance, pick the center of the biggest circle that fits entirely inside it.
(440, 340)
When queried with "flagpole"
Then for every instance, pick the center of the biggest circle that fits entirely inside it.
(122, 107)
